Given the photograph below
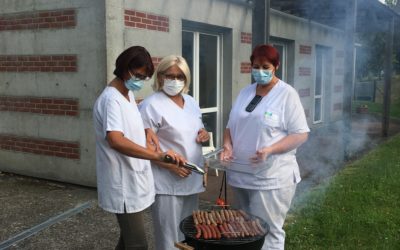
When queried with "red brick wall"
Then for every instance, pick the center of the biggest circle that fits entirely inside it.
(143, 20)
(245, 67)
(304, 92)
(40, 105)
(40, 146)
(53, 19)
(245, 37)
(304, 71)
(338, 88)
(156, 61)
(337, 106)
(305, 49)
(38, 63)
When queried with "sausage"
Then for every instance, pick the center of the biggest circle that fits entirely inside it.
(226, 215)
(217, 231)
(239, 229)
(248, 226)
(195, 218)
(209, 231)
(212, 219)
(203, 231)
(198, 234)
(207, 218)
(231, 215)
(232, 230)
(259, 226)
(218, 217)
(212, 230)
(222, 215)
(223, 231)
(227, 230)
(255, 228)
(246, 232)
(203, 217)
(243, 213)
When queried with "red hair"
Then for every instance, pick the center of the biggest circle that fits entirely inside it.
(267, 52)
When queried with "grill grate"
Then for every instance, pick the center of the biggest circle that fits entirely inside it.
(189, 230)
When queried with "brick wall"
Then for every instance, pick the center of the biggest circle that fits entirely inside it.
(54, 19)
(143, 20)
(40, 146)
(338, 88)
(304, 92)
(305, 49)
(38, 63)
(304, 71)
(245, 67)
(40, 105)
(156, 61)
(337, 106)
(245, 37)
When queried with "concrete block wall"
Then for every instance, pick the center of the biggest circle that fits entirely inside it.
(52, 68)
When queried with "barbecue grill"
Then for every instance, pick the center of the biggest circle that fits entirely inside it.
(187, 227)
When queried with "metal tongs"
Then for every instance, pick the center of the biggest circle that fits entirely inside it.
(188, 165)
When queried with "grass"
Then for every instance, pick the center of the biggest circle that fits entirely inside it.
(358, 209)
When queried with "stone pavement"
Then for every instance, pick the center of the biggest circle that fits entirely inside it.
(27, 202)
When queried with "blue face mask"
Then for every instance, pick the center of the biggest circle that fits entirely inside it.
(134, 84)
(262, 76)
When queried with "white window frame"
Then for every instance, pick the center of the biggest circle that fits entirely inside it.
(283, 58)
(196, 79)
(323, 75)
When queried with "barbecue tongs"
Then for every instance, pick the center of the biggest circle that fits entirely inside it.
(188, 165)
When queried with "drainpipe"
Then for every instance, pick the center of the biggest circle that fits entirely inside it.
(348, 86)
(387, 77)
(260, 22)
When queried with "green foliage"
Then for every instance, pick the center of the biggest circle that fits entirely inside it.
(358, 209)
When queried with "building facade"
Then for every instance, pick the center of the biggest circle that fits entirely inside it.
(57, 56)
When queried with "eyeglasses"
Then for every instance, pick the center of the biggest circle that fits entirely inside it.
(180, 77)
(139, 76)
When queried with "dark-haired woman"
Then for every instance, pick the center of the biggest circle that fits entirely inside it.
(266, 125)
(124, 178)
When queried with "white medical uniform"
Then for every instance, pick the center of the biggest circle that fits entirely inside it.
(121, 180)
(177, 197)
(278, 114)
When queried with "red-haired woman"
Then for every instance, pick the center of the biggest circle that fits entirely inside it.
(266, 125)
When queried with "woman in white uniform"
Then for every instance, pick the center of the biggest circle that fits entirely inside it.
(266, 125)
(124, 179)
(175, 117)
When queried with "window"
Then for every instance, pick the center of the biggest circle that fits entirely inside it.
(282, 49)
(203, 53)
(320, 73)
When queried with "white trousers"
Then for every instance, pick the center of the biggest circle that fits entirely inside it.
(270, 205)
(167, 212)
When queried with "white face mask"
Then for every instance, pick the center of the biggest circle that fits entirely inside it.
(173, 87)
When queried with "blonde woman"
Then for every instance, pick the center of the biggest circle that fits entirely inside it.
(175, 118)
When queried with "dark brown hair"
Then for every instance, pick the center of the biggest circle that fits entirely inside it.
(266, 51)
(133, 58)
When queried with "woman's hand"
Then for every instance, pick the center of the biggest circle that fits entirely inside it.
(172, 157)
(261, 155)
(202, 136)
(227, 154)
(179, 170)
(152, 142)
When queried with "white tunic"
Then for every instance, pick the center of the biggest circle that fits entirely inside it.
(176, 129)
(279, 114)
(121, 179)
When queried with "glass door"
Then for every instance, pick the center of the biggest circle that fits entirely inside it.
(202, 51)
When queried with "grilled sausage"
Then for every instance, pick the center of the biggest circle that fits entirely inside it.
(218, 217)
(221, 212)
(216, 231)
(198, 234)
(204, 231)
(232, 230)
(223, 231)
(243, 213)
(244, 228)
(195, 218)
(213, 232)
(259, 226)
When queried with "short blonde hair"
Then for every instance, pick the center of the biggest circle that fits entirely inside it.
(165, 64)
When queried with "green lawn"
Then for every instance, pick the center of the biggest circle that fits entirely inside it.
(358, 209)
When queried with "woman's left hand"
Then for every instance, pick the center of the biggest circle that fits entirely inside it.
(261, 155)
(202, 136)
